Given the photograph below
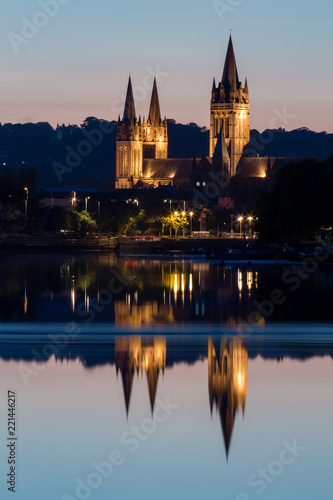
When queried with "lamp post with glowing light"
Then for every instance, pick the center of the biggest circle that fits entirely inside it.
(191, 232)
(165, 201)
(176, 215)
(183, 214)
(26, 208)
(240, 220)
(86, 203)
(98, 213)
(74, 199)
(250, 219)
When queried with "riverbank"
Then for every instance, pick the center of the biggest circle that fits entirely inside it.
(215, 248)
(211, 249)
(55, 245)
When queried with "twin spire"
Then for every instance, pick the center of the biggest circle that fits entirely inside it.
(129, 110)
(154, 116)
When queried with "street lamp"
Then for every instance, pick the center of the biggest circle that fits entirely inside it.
(250, 219)
(183, 214)
(191, 215)
(176, 215)
(86, 203)
(240, 220)
(26, 208)
(165, 201)
(98, 211)
(74, 199)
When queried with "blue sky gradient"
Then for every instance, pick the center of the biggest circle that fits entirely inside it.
(77, 65)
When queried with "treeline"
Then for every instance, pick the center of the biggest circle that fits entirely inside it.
(301, 143)
(299, 204)
(13, 196)
(85, 155)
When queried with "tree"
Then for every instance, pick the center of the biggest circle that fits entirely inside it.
(176, 220)
(58, 218)
(299, 204)
(82, 224)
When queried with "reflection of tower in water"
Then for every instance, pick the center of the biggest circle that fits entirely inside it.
(227, 382)
(132, 355)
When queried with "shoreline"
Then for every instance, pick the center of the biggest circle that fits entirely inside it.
(215, 251)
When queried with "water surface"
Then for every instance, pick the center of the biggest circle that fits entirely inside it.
(182, 417)
(144, 378)
(138, 292)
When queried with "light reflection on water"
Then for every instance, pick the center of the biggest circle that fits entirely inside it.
(188, 413)
(235, 402)
(140, 292)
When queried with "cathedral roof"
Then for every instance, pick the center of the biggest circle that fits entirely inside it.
(167, 168)
(129, 109)
(154, 116)
(230, 73)
(249, 166)
(221, 150)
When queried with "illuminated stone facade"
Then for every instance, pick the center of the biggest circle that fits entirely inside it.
(139, 140)
(230, 112)
(142, 146)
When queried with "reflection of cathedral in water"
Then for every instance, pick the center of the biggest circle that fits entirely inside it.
(132, 355)
(136, 315)
(171, 292)
(227, 382)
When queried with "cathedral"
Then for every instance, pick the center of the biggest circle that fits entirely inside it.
(142, 146)
(227, 382)
(133, 356)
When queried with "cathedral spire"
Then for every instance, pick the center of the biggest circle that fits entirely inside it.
(214, 85)
(152, 378)
(129, 110)
(127, 378)
(246, 88)
(154, 116)
(221, 150)
(230, 72)
(233, 85)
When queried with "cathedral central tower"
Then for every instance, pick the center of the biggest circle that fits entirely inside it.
(230, 112)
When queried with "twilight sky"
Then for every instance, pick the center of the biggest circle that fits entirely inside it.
(77, 64)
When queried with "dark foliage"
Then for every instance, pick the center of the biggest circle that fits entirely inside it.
(299, 204)
(84, 156)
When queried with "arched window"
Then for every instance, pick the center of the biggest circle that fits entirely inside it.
(126, 161)
(121, 162)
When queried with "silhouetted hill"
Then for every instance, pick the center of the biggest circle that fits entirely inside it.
(300, 142)
(84, 156)
(187, 141)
